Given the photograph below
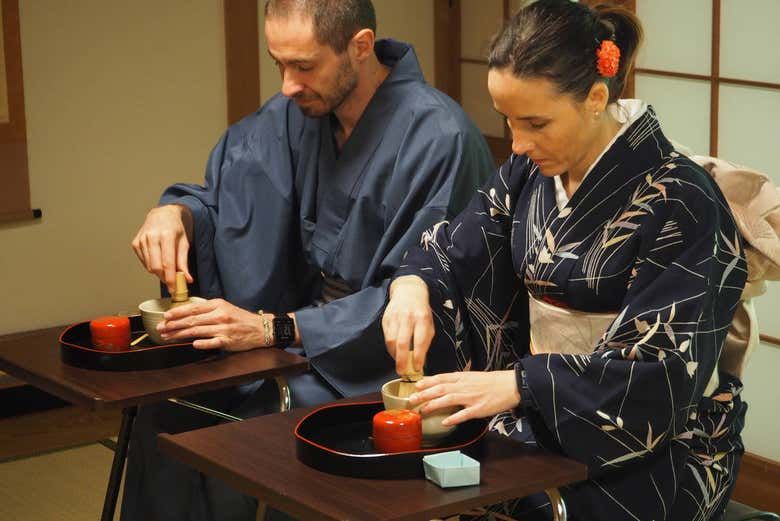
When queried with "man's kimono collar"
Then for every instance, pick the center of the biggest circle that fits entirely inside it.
(365, 137)
(401, 58)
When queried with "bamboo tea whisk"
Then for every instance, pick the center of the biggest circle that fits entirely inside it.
(409, 377)
(181, 295)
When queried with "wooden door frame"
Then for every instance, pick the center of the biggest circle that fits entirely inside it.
(242, 58)
(15, 196)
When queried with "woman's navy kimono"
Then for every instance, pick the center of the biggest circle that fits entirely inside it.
(280, 207)
(647, 236)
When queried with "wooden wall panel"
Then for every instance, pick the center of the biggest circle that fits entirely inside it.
(4, 115)
(242, 58)
(446, 42)
(758, 484)
(15, 195)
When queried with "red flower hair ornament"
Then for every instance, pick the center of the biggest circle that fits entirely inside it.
(607, 59)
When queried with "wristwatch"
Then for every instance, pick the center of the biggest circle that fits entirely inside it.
(522, 387)
(284, 330)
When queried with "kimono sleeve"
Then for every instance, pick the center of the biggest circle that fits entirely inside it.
(639, 389)
(479, 317)
(202, 203)
(248, 182)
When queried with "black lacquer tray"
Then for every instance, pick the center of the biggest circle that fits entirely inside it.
(337, 439)
(76, 349)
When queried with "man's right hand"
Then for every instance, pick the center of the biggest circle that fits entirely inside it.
(163, 243)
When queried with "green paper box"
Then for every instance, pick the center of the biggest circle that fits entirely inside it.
(451, 469)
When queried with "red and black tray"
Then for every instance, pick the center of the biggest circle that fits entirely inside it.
(76, 349)
(337, 439)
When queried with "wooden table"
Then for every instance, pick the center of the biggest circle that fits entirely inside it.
(257, 457)
(35, 358)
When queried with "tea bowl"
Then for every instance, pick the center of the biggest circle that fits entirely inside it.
(152, 312)
(432, 429)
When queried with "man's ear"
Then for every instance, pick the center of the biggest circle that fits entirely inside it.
(598, 97)
(362, 44)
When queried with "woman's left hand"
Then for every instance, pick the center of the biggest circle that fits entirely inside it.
(481, 394)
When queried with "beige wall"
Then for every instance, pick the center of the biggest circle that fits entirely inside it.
(407, 20)
(122, 99)
(412, 22)
(762, 426)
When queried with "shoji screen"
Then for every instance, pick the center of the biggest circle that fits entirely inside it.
(711, 70)
(479, 22)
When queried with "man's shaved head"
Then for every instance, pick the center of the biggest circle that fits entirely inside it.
(335, 22)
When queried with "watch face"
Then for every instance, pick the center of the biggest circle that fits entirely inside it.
(284, 330)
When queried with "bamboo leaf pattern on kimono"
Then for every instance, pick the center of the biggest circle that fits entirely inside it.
(646, 238)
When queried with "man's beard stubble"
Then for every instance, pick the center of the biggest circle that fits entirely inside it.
(344, 84)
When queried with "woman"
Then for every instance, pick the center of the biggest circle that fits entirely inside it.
(593, 278)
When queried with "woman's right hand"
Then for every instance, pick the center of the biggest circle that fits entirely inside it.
(163, 242)
(408, 318)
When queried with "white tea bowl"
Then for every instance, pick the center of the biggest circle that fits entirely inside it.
(152, 312)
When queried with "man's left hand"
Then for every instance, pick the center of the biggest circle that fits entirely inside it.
(482, 394)
(216, 324)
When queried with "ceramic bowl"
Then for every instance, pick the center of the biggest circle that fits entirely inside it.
(152, 312)
(432, 429)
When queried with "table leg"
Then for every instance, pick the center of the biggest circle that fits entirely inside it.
(285, 397)
(205, 410)
(118, 465)
(285, 402)
(557, 504)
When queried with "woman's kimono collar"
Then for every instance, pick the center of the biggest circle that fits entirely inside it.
(624, 111)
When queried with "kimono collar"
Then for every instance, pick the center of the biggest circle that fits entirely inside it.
(624, 111)
(640, 149)
(401, 58)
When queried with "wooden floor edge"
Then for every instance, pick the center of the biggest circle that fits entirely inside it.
(758, 483)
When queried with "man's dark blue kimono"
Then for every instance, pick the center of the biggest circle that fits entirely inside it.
(282, 209)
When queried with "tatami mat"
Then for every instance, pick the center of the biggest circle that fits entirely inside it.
(67, 485)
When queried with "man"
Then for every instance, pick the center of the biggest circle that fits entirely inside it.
(307, 209)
